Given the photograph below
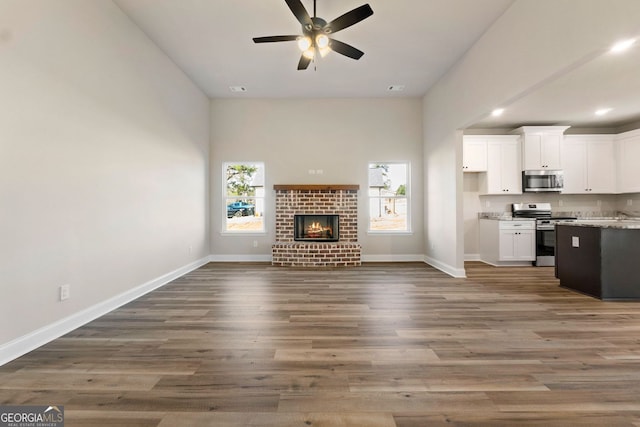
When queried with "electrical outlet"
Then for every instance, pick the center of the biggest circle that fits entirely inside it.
(255, 243)
(190, 249)
(65, 292)
(629, 202)
(560, 203)
(487, 204)
(599, 203)
(319, 171)
(312, 171)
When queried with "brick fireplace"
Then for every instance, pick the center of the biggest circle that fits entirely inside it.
(296, 200)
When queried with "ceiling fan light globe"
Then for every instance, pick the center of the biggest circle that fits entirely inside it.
(324, 51)
(309, 53)
(322, 41)
(304, 43)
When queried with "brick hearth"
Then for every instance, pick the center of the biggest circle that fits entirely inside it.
(294, 200)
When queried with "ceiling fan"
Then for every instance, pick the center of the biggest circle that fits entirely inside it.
(315, 33)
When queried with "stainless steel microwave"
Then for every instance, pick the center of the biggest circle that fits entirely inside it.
(542, 180)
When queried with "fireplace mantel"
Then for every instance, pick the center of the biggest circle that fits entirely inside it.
(316, 187)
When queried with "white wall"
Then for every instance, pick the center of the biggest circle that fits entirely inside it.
(103, 162)
(339, 136)
(534, 42)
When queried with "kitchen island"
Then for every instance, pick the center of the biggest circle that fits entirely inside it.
(600, 258)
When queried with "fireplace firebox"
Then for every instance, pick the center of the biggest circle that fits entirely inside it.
(316, 228)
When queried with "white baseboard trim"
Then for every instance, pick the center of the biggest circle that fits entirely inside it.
(26, 343)
(472, 257)
(445, 268)
(392, 258)
(508, 263)
(239, 258)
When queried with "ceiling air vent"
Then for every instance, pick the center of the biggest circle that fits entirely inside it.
(395, 88)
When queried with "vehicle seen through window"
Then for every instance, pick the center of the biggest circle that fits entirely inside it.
(244, 197)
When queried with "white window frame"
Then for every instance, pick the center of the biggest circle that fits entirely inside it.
(260, 198)
(376, 199)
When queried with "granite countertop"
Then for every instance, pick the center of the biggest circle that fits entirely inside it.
(604, 219)
(606, 223)
(501, 216)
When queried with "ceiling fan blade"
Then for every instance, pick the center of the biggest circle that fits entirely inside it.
(271, 39)
(300, 12)
(345, 49)
(304, 63)
(348, 19)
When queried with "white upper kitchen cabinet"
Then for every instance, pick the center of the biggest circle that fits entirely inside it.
(474, 153)
(628, 145)
(589, 164)
(504, 175)
(541, 147)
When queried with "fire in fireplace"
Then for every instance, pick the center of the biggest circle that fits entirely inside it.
(316, 228)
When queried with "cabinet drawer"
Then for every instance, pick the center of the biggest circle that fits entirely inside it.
(517, 225)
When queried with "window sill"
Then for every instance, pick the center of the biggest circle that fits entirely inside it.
(243, 233)
(390, 232)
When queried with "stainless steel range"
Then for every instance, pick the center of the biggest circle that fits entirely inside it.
(545, 229)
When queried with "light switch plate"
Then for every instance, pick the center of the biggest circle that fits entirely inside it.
(65, 292)
(575, 241)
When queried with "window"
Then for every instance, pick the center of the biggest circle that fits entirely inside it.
(243, 195)
(389, 197)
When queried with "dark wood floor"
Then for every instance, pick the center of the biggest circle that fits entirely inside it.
(379, 345)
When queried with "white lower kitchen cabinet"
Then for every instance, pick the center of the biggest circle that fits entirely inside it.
(507, 242)
(589, 164)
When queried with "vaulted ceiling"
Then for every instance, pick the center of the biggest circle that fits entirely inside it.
(409, 43)
(406, 42)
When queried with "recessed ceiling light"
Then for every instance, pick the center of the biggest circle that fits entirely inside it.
(622, 45)
(395, 88)
(603, 111)
(237, 88)
(497, 112)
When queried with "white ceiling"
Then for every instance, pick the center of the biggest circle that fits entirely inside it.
(608, 80)
(406, 42)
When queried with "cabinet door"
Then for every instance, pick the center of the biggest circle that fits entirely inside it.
(494, 169)
(600, 167)
(506, 245)
(629, 170)
(542, 151)
(550, 151)
(574, 154)
(589, 164)
(511, 174)
(532, 152)
(517, 245)
(503, 167)
(474, 154)
(525, 245)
